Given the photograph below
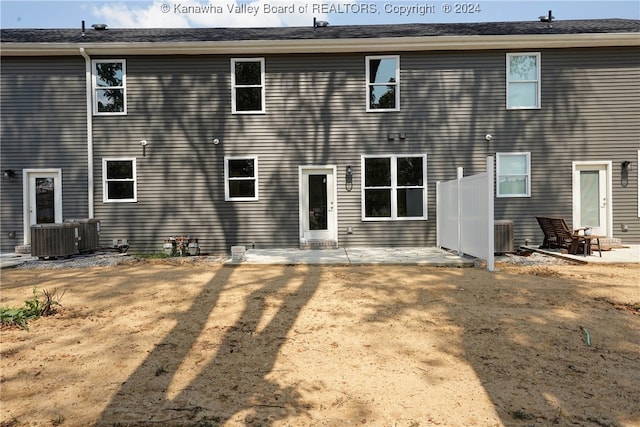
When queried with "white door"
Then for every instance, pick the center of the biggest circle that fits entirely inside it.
(42, 198)
(592, 197)
(318, 214)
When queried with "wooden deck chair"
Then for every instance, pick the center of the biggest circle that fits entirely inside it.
(550, 240)
(559, 235)
(565, 237)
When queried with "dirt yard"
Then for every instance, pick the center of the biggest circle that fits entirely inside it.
(155, 343)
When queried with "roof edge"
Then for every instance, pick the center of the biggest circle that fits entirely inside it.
(349, 45)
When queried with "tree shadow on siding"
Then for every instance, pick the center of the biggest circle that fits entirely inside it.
(235, 380)
(461, 103)
(180, 175)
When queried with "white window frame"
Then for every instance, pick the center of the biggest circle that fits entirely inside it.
(499, 157)
(394, 187)
(262, 85)
(369, 84)
(96, 88)
(537, 81)
(227, 195)
(105, 188)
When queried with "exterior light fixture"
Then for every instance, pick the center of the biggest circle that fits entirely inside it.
(144, 143)
(216, 141)
(9, 174)
(348, 178)
(625, 167)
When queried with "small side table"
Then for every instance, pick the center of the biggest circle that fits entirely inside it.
(587, 242)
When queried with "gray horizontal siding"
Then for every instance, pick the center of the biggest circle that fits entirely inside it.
(316, 115)
(43, 126)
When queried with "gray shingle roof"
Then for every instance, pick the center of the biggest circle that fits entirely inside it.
(165, 35)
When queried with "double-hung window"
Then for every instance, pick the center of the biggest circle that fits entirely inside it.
(119, 180)
(247, 85)
(241, 178)
(109, 81)
(383, 83)
(523, 81)
(513, 176)
(395, 187)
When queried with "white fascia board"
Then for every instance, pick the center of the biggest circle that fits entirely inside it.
(388, 44)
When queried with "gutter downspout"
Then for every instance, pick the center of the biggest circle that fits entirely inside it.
(87, 62)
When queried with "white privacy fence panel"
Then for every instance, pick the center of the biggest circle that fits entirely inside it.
(465, 215)
(447, 223)
(473, 215)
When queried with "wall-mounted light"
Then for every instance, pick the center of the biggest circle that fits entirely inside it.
(144, 144)
(348, 178)
(625, 167)
(402, 136)
(216, 141)
(488, 137)
(391, 136)
(8, 174)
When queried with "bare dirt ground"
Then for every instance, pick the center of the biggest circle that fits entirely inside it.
(159, 343)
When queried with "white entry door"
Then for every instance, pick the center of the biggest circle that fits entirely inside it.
(42, 198)
(318, 213)
(592, 197)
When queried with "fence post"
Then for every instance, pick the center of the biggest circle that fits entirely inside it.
(459, 196)
(438, 225)
(490, 214)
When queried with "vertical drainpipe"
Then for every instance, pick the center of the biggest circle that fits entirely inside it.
(87, 63)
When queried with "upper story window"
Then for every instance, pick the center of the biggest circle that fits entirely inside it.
(394, 187)
(247, 85)
(383, 83)
(523, 81)
(513, 176)
(119, 180)
(109, 77)
(241, 178)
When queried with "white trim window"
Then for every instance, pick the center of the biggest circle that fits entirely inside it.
(247, 85)
(523, 81)
(383, 83)
(241, 178)
(394, 187)
(513, 174)
(119, 182)
(109, 82)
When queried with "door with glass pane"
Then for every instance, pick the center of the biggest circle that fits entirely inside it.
(42, 199)
(591, 197)
(317, 203)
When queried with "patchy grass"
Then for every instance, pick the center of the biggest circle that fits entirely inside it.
(544, 271)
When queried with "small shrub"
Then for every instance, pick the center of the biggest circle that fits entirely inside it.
(58, 420)
(33, 308)
(161, 369)
(521, 415)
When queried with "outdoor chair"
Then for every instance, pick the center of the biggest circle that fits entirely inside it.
(558, 235)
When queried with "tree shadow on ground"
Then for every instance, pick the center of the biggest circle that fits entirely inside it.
(525, 337)
(229, 379)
